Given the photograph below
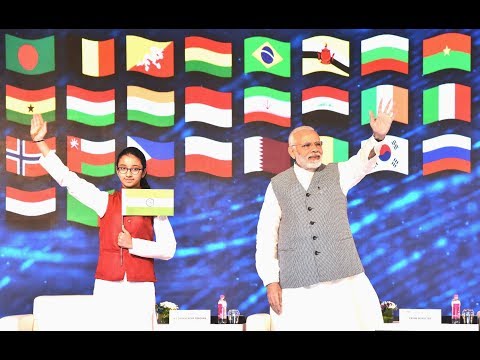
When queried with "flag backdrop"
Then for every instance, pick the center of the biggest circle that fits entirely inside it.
(212, 110)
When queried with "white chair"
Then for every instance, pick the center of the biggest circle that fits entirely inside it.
(258, 322)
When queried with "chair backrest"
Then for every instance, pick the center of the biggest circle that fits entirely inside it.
(258, 322)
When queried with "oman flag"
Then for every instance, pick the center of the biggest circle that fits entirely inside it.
(447, 51)
(447, 101)
(93, 108)
(98, 57)
(149, 57)
(30, 57)
(208, 56)
(371, 100)
(21, 104)
(91, 157)
(264, 154)
(208, 106)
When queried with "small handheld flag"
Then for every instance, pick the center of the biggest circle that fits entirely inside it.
(147, 202)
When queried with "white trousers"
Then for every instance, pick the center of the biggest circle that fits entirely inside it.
(126, 305)
(349, 304)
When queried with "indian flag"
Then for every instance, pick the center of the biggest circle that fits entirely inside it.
(385, 52)
(147, 202)
(269, 105)
(208, 56)
(156, 108)
(447, 101)
(371, 99)
(93, 108)
(21, 104)
(334, 150)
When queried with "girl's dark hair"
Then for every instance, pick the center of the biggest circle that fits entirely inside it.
(138, 154)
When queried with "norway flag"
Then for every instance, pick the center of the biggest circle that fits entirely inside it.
(160, 155)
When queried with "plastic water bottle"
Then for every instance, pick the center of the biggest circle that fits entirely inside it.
(222, 310)
(456, 309)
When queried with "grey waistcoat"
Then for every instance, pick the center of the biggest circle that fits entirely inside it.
(315, 242)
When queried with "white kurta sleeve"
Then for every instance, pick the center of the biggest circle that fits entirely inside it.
(163, 247)
(266, 256)
(358, 166)
(82, 190)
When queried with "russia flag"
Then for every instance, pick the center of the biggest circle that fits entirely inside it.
(160, 155)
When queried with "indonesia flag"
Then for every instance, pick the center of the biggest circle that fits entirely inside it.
(208, 156)
(447, 152)
(447, 101)
(264, 154)
(93, 108)
(30, 203)
(321, 102)
(160, 155)
(93, 158)
(23, 156)
(208, 106)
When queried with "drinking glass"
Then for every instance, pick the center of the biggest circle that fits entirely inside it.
(233, 316)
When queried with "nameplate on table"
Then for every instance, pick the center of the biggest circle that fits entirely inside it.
(420, 316)
(189, 317)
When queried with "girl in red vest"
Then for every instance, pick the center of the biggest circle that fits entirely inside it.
(125, 275)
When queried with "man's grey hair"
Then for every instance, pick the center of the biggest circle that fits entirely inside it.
(294, 131)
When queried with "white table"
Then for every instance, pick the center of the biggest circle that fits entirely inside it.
(206, 327)
(397, 326)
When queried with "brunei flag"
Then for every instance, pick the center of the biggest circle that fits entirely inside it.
(93, 108)
(326, 53)
(267, 55)
(21, 104)
(150, 107)
(30, 57)
(149, 57)
(147, 202)
(447, 51)
(208, 56)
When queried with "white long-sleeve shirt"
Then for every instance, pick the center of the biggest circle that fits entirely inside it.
(96, 199)
(351, 172)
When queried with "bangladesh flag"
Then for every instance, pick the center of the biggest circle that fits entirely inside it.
(30, 57)
(447, 51)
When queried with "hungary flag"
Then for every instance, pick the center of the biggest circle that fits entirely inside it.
(147, 202)
(447, 101)
(447, 51)
(30, 57)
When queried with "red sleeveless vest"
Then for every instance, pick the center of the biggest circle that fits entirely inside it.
(109, 266)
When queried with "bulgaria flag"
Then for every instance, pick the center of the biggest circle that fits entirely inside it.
(93, 108)
(147, 202)
(334, 150)
(447, 51)
(98, 57)
(264, 154)
(447, 152)
(208, 56)
(318, 99)
(371, 99)
(90, 157)
(30, 203)
(208, 106)
(30, 57)
(150, 107)
(149, 57)
(208, 156)
(383, 53)
(447, 101)
(393, 155)
(21, 104)
(269, 105)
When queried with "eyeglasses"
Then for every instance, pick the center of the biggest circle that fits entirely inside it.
(134, 171)
(308, 145)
